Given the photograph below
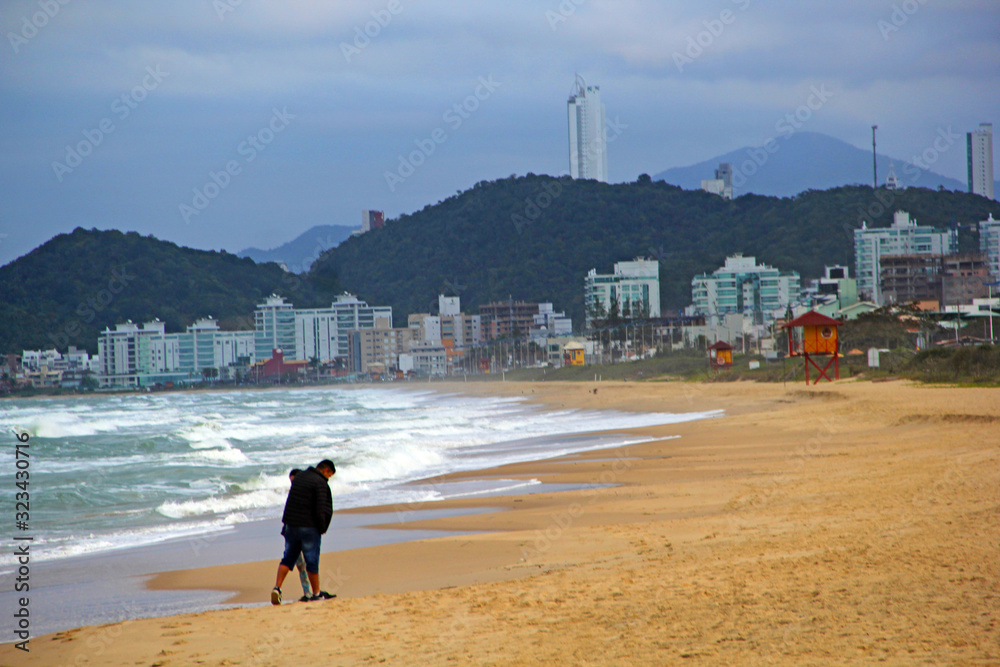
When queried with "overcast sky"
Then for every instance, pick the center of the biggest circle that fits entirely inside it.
(229, 123)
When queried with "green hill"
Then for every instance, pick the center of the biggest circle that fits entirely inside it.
(74, 286)
(534, 238)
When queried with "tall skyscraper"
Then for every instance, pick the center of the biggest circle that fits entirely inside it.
(979, 144)
(588, 146)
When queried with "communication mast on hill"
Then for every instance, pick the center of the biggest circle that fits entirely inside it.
(874, 161)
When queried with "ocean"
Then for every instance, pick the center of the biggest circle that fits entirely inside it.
(127, 471)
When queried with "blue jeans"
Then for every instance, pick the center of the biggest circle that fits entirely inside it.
(303, 541)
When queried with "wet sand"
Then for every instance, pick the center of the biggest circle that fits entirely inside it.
(850, 523)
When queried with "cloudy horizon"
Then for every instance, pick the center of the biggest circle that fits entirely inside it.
(223, 124)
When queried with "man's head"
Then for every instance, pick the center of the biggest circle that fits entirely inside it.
(327, 468)
(292, 473)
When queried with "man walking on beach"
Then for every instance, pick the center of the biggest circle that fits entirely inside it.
(300, 564)
(307, 516)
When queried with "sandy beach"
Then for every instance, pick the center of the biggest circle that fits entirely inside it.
(849, 523)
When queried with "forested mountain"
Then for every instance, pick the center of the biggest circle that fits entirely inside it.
(74, 286)
(535, 237)
(531, 238)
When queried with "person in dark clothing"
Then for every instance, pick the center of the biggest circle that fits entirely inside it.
(308, 511)
(300, 563)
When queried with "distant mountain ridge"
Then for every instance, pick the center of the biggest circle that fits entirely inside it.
(299, 253)
(793, 163)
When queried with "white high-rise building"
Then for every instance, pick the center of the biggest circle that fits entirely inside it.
(304, 333)
(588, 146)
(744, 287)
(142, 355)
(989, 244)
(904, 237)
(979, 145)
(634, 287)
(323, 332)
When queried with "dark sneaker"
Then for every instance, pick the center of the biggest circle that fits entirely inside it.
(323, 595)
(305, 598)
(275, 595)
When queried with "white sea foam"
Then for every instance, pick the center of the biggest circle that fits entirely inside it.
(66, 425)
(229, 455)
(87, 544)
(201, 460)
(224, 505)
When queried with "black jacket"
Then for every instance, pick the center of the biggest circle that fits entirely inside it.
(310, 503)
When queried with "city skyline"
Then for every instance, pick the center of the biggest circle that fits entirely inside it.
(231, 124)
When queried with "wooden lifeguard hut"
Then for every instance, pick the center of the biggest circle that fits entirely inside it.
(720, 355)
(817, 339)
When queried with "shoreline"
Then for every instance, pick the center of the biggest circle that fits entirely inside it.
(773, 524)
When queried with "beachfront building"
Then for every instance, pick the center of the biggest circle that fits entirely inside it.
(424, 359)
(50, 368)
(502, 319)
(989, 244)
(588, 149)
(377, 350)
(132, 352)
(142, 355)
(979, 155)
(323, 333)
(633, 288)
(274, 326)
(758, 292)
(903, 237)
(547, 323)
(450, 326)
(303, 334)
(450, 333)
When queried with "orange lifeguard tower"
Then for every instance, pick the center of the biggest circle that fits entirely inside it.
(720, 355)
(818, 339)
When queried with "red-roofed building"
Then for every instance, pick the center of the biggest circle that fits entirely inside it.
(276, 368)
